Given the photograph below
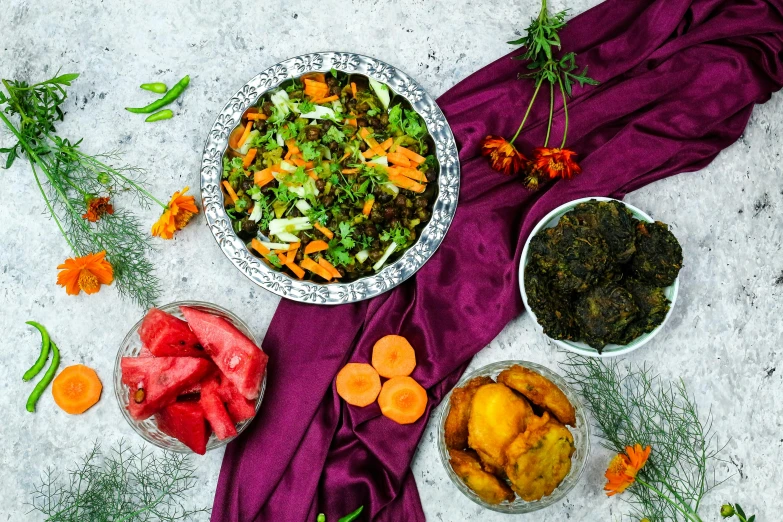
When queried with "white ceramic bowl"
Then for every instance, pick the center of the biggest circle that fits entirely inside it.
(610, 350)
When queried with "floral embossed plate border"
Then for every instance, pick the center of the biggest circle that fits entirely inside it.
(366, 287)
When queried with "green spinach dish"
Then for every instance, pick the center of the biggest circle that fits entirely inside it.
(331, 176)
(599, 275)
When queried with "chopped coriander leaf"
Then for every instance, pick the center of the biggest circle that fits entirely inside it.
(272, 145)
(414, 125)
(289, 131)
(318, 214)
(334, 134)
(333, 72)
(272, 258)
(373, 112)
(310, 150)
(306, 106)
(337, 255)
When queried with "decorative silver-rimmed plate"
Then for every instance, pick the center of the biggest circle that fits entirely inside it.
(365, 287)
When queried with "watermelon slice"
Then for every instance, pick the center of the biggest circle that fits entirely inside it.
(167, 336)
(239, 407)
(242, 362)
(215, 411)
(185, 421)
(155, 382)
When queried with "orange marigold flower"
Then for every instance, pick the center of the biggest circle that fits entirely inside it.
(556, 163)
(86, 273)
(623, 468)
(176, 215)
(97, 208)
(503, 156)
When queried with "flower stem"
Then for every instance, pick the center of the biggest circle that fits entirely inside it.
(527, 112)
(551, 111)
(565, 111)
(689, 514)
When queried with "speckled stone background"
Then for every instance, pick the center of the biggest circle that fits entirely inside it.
(724, 339)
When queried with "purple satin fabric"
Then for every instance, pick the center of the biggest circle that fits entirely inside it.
(679, 79)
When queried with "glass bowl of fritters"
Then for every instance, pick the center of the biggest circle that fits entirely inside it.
(513, 437)
(599, 276)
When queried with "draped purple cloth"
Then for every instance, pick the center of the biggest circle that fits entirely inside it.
(679, 79)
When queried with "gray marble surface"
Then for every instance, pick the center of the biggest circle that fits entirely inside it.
(724, 339)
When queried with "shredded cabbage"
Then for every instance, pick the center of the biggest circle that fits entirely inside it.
(382, 91)
(389, 251)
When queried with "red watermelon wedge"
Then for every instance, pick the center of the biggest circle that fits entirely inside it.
(167, 336)
(215, 411)
(242, 362)
(185, 421)
(239, 407)
(161, 379)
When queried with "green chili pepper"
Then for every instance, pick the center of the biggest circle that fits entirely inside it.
(158, 87)
(165, 114)
(321, 518)
(47, 378)
(167, 98)
(352, 516)
(39, 364)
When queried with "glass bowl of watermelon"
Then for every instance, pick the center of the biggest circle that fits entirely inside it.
(189, 376)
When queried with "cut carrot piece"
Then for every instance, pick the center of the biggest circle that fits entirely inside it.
(298, 272)
(358, 384)
(315, 246)
(353, 89)
(233, 139)
(351, 122)
(323, 230)
(312, 174)
(245, 134)
(312, 266)
(257, 116)
(76, 389)
(406, 183)
(329, 267)
(369, 153)
(368, 206)
(326, 100)
(292, 148)
(398, 159)
(231, 193)
(249, 157)
(315, 89)
(403, 400)
(393, 356)
(364, 133)
(415, 158)
(315, 76)
(258, 247)
(387, 144)
(350, 171)
(414, 174)
(262, 177)
(282, 257)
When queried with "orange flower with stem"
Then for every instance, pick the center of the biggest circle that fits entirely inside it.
(624, 467)
(176, 215)
(86, 273)
(97, 207)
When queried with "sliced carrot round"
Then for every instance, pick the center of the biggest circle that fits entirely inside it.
(393, 356)
(76, 389)
(403, 400)
(358, 384)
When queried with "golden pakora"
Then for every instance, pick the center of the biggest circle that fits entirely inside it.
(486, 485)
(539, 458)
(497, 416)
(540, 391)
(456, 426)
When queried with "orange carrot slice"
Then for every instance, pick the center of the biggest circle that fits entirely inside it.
(414, 174)
(368, 206)
(403, 400)
(312, 266)
(358, 384)
(249, 157)
(329, 267)
(315, 76)
(231, 193)
(406, 183)
(233, 139)
(298, 272)
(350, 171)
(262, 177)
(393, 356)
(411, 155)
(398, 159)
(258, 247)
(315, 89)
(315, 246)
(326, 100)
(353, 89)
(387, 144)
(312, 174)
(364, 133)
(323, 230)
(245, 134)
(257, 116)
(76, 389)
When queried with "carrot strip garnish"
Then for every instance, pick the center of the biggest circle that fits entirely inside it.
(249, 157)
(262, 177)
(231, 193)
(364, 133)
(315, 89)
(352, 122)
(353, 89)
(312, 174)
(415, 175)
(329, 267)
(406, 183)
(398, 159)
(369, 153)
(245, 134)
(258, 247)
(415, 158)
(387, 144)
(257, 116)
(315, 246)
(312, 266)
(298, 272)
(315, 76)
(350, 171)
(368, 203)
(323, 230)
(235, 135)
(328, 99)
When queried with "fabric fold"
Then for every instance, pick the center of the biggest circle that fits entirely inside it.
(679, 79)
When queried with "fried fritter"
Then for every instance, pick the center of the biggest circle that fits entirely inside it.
(653, 306)
(553, 312)
(603, 313)
(539, 458)
(497, 416)
(658, 259)
(486, 485)
(540, 391)
(456, 426)
(613, 221)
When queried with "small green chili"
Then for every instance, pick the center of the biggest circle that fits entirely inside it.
(39, 364)
(167, 98)
(165, 114)
(158, 87)
(321, 518)
(352, 516)
(47, 378)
